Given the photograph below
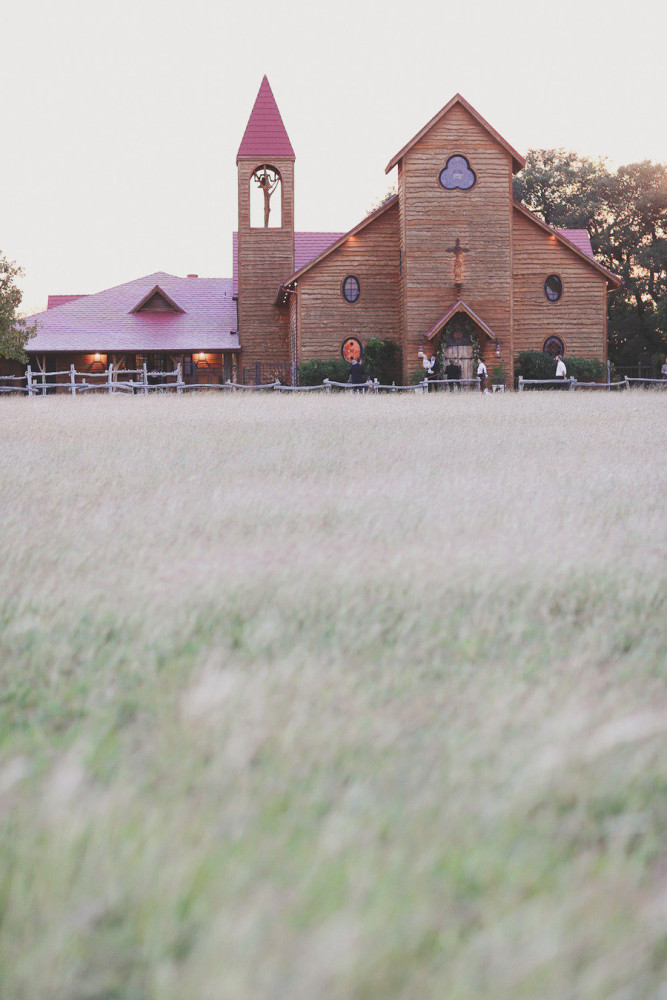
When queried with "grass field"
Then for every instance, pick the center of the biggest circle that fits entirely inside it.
(353, 698)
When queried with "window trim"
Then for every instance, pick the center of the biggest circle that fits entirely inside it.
(553, 274)
(350, 302)
(554, 336)
(356, 339)
(472, 171)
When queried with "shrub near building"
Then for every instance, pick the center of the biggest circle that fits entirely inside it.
(381, 360)
(314, 372)
(539, 365)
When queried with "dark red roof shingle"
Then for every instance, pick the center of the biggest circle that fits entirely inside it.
(265, 135)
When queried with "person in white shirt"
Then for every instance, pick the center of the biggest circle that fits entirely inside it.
(481, 375)
(561, 370)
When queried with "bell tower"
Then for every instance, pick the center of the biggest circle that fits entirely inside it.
(265, 163)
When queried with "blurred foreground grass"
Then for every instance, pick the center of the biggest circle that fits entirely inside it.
(333, 698)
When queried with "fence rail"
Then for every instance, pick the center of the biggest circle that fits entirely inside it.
(570, 384)
(113, 380)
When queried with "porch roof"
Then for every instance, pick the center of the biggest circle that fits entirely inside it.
(458, 307)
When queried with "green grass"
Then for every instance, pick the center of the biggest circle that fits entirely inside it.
(333, 698)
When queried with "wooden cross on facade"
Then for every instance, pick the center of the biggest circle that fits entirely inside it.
(458, 252)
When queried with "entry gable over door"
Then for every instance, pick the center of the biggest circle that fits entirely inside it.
(461, 307)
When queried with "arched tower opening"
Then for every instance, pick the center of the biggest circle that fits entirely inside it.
(266, 198)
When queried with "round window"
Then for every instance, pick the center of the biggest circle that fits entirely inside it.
(351, 349)
(553, 288)
(351, 288)
(554, 346)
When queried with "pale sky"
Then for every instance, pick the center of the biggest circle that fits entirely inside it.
(121, 121)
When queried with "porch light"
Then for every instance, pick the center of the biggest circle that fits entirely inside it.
(201, 356)
(499, 350)
(97, 356)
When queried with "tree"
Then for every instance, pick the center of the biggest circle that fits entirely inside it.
(625, 214)
(14, 334)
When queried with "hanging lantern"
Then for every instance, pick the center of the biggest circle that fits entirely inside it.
(499, 352)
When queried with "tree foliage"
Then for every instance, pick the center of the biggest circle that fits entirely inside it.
(625, 214)
(14, 333)
(382, 360)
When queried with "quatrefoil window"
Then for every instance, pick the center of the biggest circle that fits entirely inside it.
(457, 174)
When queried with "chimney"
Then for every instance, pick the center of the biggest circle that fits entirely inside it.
(193, 276)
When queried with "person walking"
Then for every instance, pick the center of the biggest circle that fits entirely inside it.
(561, 370)
(481, 375)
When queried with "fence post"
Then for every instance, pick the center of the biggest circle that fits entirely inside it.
(376, 383)
(294, 373)
(72, 380)
(608, 375)
(393, 385)
(108, 378)
(179, 382)
(145, 383)
(520, 383)
(28, 376)
(572, 384)
(327, 384)
(43, 384)
(627, 381)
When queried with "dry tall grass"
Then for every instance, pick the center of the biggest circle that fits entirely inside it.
(333, 698)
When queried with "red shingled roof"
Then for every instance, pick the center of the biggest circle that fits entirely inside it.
(580, 238)
(307, 246)
(61, 300)
(105, 321)
(265, 135)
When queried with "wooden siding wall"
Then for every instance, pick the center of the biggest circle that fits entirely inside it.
(325, 318)
(578, 317)
(266, 258)
(431, 220)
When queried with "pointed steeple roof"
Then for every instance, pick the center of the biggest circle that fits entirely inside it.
(265, 135)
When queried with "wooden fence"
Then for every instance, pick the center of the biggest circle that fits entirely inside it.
(140, 381)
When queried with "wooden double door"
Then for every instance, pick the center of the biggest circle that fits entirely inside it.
(462, 355)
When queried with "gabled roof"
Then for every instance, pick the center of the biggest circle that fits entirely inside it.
(342, 239)
(566, 240)
(157, 299)
(105, 321)
(517, 160)
(458, 307)
(307, 246)
(265, 135)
